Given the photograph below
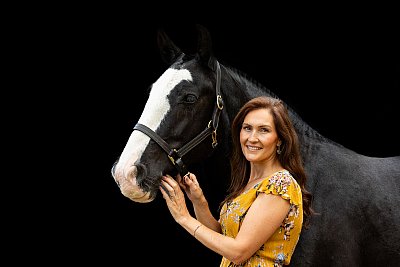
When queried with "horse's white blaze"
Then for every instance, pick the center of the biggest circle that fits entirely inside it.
(157, 105)
(153, 113)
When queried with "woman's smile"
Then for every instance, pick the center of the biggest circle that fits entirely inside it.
(253, 148)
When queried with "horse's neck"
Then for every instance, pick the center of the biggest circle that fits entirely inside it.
(238, 89)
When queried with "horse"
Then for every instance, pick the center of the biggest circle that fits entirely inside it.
(185, 124)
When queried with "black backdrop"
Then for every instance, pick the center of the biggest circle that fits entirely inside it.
(341, 76)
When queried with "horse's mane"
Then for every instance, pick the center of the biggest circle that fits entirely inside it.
(247, 81)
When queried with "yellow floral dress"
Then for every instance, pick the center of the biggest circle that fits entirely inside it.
(279, 248)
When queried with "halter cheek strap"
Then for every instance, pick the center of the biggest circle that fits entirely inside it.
(174, 155)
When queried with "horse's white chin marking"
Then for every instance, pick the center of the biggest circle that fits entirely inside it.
(144, 198)
(131, 190)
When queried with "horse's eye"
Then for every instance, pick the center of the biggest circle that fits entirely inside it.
(190, 98)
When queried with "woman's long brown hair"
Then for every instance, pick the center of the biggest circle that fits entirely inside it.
(290, 157)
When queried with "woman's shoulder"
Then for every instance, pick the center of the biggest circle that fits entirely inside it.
(280, 183)
(282, 177)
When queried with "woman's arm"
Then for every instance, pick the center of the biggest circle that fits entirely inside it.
(262, 219)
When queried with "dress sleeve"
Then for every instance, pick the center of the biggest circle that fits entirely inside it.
(282, 184)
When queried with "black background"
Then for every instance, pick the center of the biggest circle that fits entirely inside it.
(340, 73)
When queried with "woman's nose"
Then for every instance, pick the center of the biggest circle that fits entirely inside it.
(253, 136)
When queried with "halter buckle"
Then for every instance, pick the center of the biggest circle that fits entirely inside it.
(214, 138)
(170, 155)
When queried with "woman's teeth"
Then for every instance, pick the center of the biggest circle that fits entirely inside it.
(253, 148)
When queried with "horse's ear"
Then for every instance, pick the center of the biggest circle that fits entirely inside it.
(168, 50)
(204, 47)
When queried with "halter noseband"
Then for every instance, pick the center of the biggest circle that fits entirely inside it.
(176, 155)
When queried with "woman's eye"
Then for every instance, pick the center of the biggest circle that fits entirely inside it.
(265, 130)
(190, 98)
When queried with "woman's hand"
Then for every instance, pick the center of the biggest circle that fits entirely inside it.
(175, 199)
(191, 186)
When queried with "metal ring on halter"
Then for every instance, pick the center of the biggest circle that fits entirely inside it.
(219, 102)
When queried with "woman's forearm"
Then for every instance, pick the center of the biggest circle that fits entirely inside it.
(223, 245)
(204, 215)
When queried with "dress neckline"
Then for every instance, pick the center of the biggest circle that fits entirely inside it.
(261, 180)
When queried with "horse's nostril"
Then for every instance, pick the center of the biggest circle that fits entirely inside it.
(141, 173)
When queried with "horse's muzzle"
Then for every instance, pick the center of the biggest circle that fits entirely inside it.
(126, 179)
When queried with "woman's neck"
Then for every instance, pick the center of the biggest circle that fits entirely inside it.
(259, 171)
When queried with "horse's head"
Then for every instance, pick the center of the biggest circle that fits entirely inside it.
(178, 124)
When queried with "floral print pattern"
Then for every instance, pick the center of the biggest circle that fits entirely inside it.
(277, 251)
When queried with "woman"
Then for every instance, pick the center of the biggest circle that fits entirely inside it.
(262, 216)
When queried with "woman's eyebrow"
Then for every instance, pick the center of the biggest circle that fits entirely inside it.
(259, 126)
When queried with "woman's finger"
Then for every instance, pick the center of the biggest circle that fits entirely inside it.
(190, 180)
(181, 181)
(169, 190)
(172, 187)
(173, 184)
(178, 178)
(170, 181)
(167, 185)
(193, 178)
(164, 193)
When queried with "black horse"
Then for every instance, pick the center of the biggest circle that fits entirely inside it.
(186, 123)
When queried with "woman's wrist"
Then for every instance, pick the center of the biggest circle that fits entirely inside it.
(192, 225)
(184, 220)
(201, 202)
(197, 228)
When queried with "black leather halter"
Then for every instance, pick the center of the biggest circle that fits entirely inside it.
(176, 155)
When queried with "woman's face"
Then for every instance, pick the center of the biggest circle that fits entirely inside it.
(258, 137)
